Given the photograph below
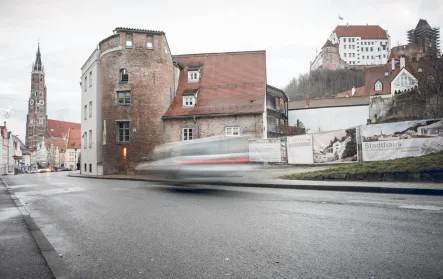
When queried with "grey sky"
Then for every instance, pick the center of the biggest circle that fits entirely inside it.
(290, 31)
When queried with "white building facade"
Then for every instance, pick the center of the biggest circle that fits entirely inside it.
(362, 45)
(91, 125)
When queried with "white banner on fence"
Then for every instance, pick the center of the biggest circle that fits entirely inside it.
(402, 139)
(265, 150)
(300, 149)
(336, 146)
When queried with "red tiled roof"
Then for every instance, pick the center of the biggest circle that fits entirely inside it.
(58, 128)
(378, 73)
(358, 92)
(363, 31)
(75, 138)
(230, 83)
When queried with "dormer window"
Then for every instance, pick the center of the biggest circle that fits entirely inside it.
(194, 73)
(124, 77)
(128, 40)
(193, 76)
(190, 97)
(188, 101)
(378, 86)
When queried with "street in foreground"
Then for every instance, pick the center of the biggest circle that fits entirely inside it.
(117, 229)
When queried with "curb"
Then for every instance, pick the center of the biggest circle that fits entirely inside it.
(344, 188)
(52, 258)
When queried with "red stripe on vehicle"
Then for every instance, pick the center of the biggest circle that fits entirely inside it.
(215, 161)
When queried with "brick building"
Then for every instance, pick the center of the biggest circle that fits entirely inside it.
(142, 96)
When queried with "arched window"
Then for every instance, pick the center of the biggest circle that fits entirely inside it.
(85, 167)
(378, 86)
(90, 167)
(124, 77)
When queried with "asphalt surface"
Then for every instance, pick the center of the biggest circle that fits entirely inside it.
(123, 229)
(19, 255)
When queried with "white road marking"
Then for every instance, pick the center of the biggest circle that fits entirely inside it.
(50, 192)
(422, 207)
(23, 186)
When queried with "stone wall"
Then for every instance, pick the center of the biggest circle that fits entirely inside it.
(250, 125)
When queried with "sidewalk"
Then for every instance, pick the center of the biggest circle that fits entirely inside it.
(268, 179)
(20, 257)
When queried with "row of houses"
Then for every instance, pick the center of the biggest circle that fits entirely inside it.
(136, 95)
(58, 151)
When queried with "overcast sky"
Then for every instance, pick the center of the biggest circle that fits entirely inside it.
(290, 31)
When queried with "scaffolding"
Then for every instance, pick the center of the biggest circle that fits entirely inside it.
(426, 36)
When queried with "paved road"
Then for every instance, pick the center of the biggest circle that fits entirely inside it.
(116, 229)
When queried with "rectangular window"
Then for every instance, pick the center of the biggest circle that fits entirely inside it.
(384, 55)
(86, 83)
(90, 109)
(187, 134)
(150, 42)
(128, 40)
(85, 140)
(345, 54)
(86, 112)
(232, 131)
(123, 131)
(90, 79)
(90, 138)
(193, 76)
(124, 98)
(188, 101)
(344, 46)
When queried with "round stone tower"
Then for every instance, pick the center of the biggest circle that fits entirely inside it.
(136, 83)
(330, 56)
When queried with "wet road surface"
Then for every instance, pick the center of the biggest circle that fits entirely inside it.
(122, 229)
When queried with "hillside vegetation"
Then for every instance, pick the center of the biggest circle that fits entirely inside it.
(324, 83)
(428, 166)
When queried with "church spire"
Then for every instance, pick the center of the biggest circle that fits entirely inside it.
(38, 66)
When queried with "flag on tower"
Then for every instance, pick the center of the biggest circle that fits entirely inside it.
(340, 18)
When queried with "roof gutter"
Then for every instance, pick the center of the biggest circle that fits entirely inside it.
(193, 116)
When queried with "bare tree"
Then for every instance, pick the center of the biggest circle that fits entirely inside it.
(323, 83)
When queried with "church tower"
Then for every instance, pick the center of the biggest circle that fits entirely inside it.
(37, 119)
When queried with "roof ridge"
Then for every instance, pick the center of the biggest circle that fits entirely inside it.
(219, 53)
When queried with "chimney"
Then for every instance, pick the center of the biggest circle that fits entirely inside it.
(353, 90)
(402, 62)
(393, 64)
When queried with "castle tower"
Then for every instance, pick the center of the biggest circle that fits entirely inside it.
(330, 56)
(427, 37)
(37, 119)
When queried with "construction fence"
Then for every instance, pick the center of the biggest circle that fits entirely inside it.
(377, 142)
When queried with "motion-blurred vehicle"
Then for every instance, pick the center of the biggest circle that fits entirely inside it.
(198, 160)
(43, 166)
(63, 169)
